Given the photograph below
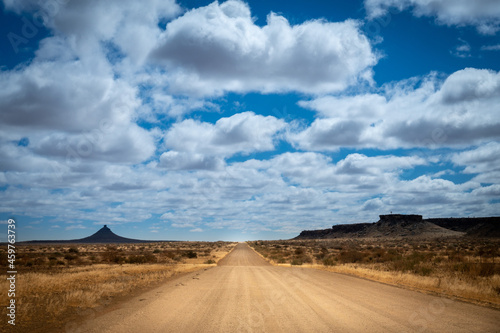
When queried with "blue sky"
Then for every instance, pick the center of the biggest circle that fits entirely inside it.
(199, 120)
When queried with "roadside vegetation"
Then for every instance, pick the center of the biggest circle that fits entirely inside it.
(468, 269)
(55, 283)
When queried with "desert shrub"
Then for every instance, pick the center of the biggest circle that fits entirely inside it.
(319, 256)
(306, 259)
(141, 259)
(455, 256)
(302, 259)
(136, 259)
(438, 259)
(487, 251)
(299, 251)
(277, 257)
(210, 261)
(461, 268)
(40, 261)
(322, 253)
(70, 257)
(191, 254)
(423, 270)
(351, 256)
(118, 259)
(330, 261)
(169, 254)
(486, 269)
(73, 250)
(391, 255)
(111, 255)
(156, 251)
(150, 258)
(380, 255)
(415, 262)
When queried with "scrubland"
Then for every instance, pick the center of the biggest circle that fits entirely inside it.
(467, 269)
(56, 282)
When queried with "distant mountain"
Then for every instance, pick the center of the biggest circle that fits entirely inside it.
(411, 226)
(104, 235)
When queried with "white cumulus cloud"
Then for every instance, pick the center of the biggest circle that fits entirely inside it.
(130, 25)
(462, 110)
(483, 161)
(219, 48)
(174, 160)
(483, 14)
(65, 108)
(241, 133)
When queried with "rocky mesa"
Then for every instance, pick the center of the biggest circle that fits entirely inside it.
(411, 226)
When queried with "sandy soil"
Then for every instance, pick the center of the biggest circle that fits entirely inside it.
(244, 293)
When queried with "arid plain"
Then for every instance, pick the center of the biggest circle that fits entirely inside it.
(245, 293)
(323, 285)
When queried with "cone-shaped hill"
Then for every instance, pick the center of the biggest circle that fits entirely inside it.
(103, 236)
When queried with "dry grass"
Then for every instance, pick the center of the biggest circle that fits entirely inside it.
(468, 269)
(48, 256)
(48, 294)
(482, 291)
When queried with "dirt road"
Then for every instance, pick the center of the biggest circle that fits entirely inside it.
(246, 294)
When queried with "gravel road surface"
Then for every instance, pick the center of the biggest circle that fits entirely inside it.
(244, 293)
